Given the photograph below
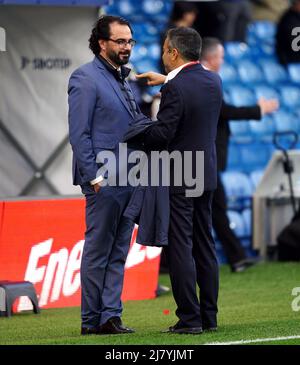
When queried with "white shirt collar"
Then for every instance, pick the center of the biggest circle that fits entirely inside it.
(174, 72)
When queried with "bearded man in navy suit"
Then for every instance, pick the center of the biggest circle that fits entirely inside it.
(101, 107)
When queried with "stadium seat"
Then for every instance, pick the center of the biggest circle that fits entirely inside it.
(139, 52)
(263, 129)
(294, 72)
(247, 218)
(241, 95)
(286, 121)
(154, 51)
(233, 159)
(297, 112)
(236, 223)
(146, 65)
(290, 96)
(267, 92)
(255, 177)
(125, 8)
(274, 73)
(156, 9)
(266, 50)
(240, 131)
(238, 189)
(236, 51)
(145, 32)
(255, 156)
(262, 32)
(228, 73)
(250, 73)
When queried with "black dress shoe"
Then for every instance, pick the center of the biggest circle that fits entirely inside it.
(210, 329)
(90, 331)
(185, 330)
(114, 326)
(244, 264)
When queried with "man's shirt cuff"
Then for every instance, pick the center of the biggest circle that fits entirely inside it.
(98, 179)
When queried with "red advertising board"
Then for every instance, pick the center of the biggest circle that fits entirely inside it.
(42, 240)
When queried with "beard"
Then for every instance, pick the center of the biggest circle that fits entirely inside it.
(119, 58)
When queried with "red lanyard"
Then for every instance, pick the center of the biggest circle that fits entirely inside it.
(191, 63)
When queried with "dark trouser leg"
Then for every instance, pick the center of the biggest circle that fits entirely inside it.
(230, 243)
(206, 260)
(103, 212)
(181, 262)
(113, 283)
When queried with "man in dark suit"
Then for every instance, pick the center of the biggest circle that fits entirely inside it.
(212, 57)
(187, 121)
(101, 107)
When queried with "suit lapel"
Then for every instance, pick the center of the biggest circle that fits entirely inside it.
(114, 84)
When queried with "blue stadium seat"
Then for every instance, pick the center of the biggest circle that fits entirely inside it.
(233, 159)
(297, 112)
(240, 131)
(236, 223)
(290, 96)
(255, 155)
(146, 65)
(262, 130)
(261, 32)
(139, 52)
(266, 50)
(267, 92)
(156, 9)
(294, 72)
(255, 177)
(250, 73)
(241, 95)
(274, 73)
(286, 121)
(126, 8)
(236, 51)
(145, 32)
(154, 51)
(247, 218)
(238, 189)
(228, 73)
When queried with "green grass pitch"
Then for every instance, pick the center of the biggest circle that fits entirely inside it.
(255, 304)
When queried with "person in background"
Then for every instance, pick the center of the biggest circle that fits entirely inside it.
(284, 36)
(270, 10)
(226, 20)
(183, 14)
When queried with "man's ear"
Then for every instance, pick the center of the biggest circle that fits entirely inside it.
(102, 44)
(175, 54)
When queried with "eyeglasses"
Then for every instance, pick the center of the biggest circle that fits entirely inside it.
(123, 42)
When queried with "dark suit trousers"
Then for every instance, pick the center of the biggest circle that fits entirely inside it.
(192, 260)
(107, 240)
(233, 249)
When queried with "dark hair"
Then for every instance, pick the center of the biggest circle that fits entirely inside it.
(209, 44)
(187, 41)
(101, 30)
(180, 8)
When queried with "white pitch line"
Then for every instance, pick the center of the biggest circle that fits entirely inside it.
(242, 342)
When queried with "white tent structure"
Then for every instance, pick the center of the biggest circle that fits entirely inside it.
(44, 44)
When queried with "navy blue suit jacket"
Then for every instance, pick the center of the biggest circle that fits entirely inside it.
(188, 118)
(98, 117)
